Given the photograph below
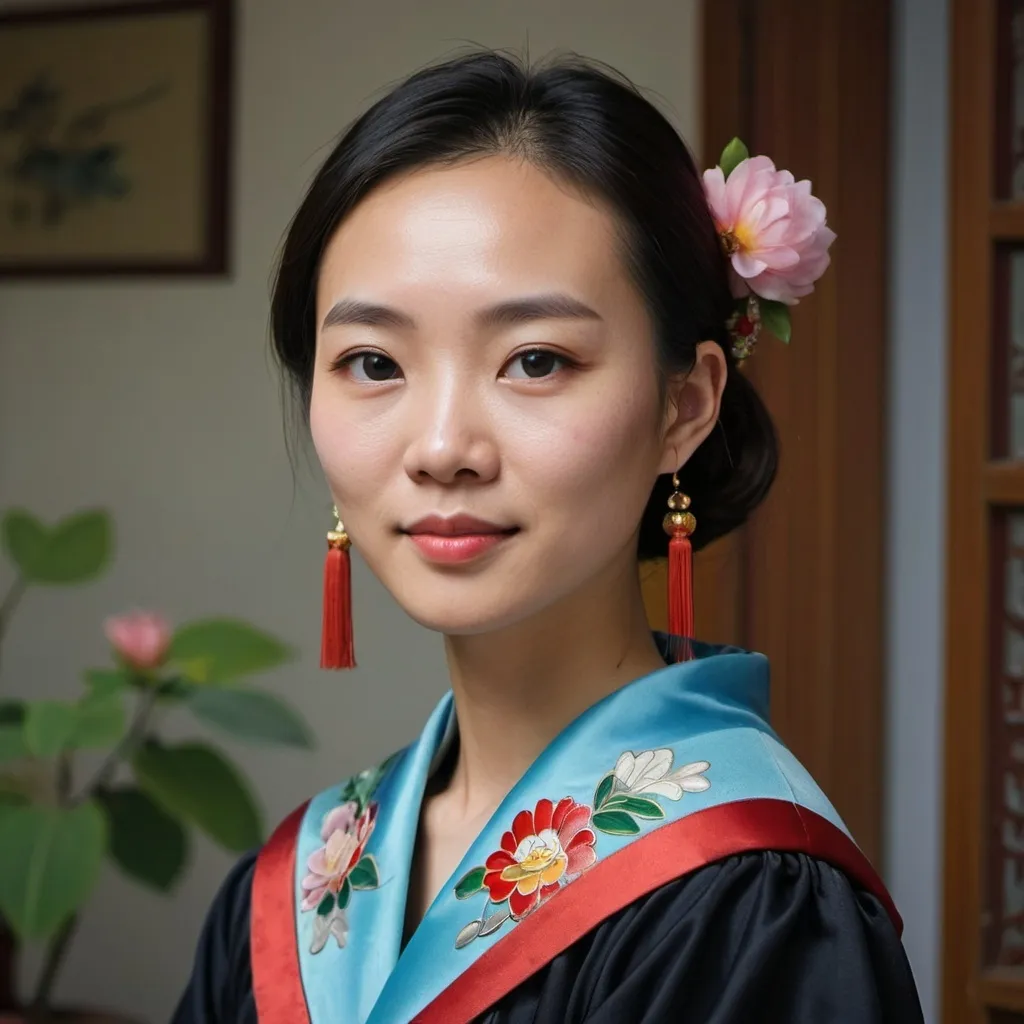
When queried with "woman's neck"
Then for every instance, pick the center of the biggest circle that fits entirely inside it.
(516, 690)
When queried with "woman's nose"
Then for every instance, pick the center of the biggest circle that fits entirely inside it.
(451, 435)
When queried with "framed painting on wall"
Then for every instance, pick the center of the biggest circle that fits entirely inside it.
(115, 126)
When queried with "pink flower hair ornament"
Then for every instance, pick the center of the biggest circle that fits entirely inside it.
(773, 233)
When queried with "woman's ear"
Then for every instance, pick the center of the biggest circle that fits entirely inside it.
(693, 403)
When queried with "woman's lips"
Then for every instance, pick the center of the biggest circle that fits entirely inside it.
(450, 549)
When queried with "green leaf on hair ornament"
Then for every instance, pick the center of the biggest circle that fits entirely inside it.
(733, 154)
(775, 319)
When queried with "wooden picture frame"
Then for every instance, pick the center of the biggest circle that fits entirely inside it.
(115, 139)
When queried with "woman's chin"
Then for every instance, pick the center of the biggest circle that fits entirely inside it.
(462, 617)
(451, 623)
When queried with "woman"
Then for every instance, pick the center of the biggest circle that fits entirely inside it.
(505, 308)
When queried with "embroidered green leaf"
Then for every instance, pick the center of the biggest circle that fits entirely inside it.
(470, 883)
(775, 318)
(603, 791)
(366, 783)
(250, 715)
(326, 905)
(145, 841)
(194, 782)
(344, 894)
(49, 726)
(76, 549)
(733, 154)
(100, 720)
(617, 823)
(217, 650)
(641, 806)
(365, 875)
(49, 861)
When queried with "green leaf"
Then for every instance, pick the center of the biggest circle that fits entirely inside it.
(733, 154)
(12, 743)
(103, 681)
(470, 883)
(11, 796)
(101, 720)
(344, 894)
(49, 861)
(145, 841)
(604, 788)
(365, 874)
(216, 650)
(12, 712)
(326, 905)
(175, 690)
(641, 806)
(617, 823)
(24, 538)
(194, 782)
(76, 549)
(362, 786)
(49, 726)
(250, 715)
(775, 318)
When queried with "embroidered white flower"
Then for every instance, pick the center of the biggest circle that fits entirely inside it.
(650, 772)
(325, 925)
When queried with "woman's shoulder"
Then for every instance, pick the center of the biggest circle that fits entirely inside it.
(220, 985)
(760, 936)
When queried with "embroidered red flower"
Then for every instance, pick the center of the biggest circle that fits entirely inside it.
(543, 846)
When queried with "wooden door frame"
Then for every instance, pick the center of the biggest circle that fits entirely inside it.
(978, 485)
(808, 84)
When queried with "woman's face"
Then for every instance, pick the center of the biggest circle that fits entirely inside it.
(482, 352)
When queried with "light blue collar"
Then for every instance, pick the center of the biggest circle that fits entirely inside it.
(681, 739)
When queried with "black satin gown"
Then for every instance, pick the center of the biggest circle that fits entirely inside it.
(757, 938)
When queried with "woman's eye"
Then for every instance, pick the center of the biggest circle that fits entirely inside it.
(370, 367)
(535, 364)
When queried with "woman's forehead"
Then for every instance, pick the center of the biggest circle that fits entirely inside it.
(484, 223)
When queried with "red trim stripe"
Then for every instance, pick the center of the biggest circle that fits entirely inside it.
(661, 856)
(276, 981)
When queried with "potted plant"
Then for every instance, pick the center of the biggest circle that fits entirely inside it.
(143, 797)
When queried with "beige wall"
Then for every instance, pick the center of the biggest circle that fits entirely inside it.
(158, 400)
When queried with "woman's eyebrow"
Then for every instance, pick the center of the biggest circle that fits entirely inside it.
(369, 314)
(555, 306)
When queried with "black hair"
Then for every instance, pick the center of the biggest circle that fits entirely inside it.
(591, 128)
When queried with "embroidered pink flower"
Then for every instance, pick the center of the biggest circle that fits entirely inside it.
(544, 845)
(344, 835)
(141, 639)
(772, 229)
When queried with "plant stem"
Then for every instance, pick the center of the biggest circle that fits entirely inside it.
(11, 599)
(124, 749)
(58, 947)
(40, 1008)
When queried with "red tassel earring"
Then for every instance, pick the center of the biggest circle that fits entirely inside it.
(679, 524)
(336, 645)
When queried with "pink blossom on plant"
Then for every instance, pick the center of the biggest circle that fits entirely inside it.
(141, 639)
(772, 229)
